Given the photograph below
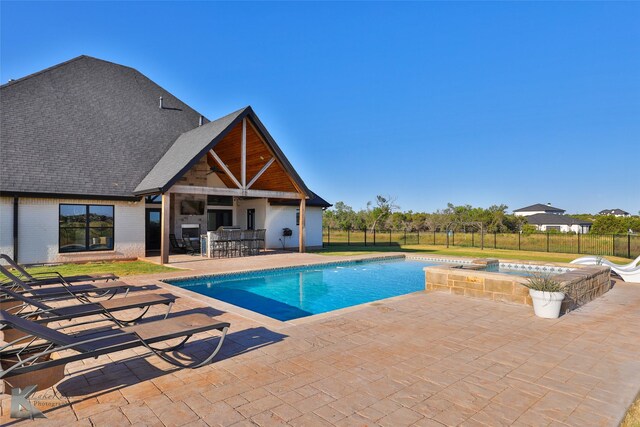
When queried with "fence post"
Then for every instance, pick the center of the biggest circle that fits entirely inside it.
(374, 236)
(519, 234)
(328, 236)
(495, 240)
(349, 236)
(547, 241)
(447, 238)
(473, 244)
(365, 236)
(628, 245)
(453, 238)
(613, 245)
(482, 240)
(389, 237)
(434, 237)
(418, 236)
(405, 237)
(579, 242)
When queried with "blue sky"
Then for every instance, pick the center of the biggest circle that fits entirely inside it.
(479, 103)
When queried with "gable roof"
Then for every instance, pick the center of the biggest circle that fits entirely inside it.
(554, 219)
(86, 127)
(539, 207)
(613, 212)
(191, 146)
(90, 128)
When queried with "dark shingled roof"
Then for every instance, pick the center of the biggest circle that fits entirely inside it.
(539, 207)
(554, 219)
(613, 212)
(190, 145)
(86, 127)
(314, 200)
(91, 128)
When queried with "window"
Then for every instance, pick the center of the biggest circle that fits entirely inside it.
(86, 228)
(219, 200)
(298, 216)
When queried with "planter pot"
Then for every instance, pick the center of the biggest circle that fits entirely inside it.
(546, 304)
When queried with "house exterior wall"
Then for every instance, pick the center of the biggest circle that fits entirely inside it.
(260, 205)
(575, 228)
(6, 225)
(38, 232)
(280, 217)
(529, 213)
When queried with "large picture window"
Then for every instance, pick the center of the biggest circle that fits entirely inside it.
(86, 228)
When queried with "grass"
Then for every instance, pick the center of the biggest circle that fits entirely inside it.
(555, 242)
(121, 268)
(458, 251)
(632, 419)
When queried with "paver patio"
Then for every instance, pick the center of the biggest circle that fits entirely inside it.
(426, 359)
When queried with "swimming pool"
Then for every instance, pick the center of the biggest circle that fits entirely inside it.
(293, 293)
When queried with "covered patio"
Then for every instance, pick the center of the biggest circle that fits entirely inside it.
(225, 173)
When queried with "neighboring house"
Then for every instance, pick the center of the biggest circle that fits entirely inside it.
(99, 162)
(538, 208)
(547, 218)
(614, 212)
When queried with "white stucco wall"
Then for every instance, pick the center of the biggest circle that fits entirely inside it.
(280, 217)
(260, 205)
(38, 230)
(6, 225)
(529, 213)
(564, 228)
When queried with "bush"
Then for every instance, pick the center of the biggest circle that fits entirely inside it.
(544, 283)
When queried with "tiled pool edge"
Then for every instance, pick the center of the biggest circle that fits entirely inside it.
(301, 266)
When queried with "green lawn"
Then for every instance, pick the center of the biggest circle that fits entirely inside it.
(632, 419)
(122, 268)
(457, 251)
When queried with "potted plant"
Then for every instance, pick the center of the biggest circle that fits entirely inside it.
(547, 295)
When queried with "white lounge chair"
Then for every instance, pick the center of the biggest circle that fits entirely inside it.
(595, 260)
(628, 272)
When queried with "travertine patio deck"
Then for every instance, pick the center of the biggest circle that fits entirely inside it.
(423, 359)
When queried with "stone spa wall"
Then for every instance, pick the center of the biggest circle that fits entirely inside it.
(582, 283)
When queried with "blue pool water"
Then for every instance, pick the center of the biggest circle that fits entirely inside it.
(298, 292)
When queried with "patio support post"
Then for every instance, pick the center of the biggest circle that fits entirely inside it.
(243, 155)
(302, 231)
(164, 234)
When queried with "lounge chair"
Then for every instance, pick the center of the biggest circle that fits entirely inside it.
(190, 247)
(46, 350)
(80, 292)
(175, 245)
(629, 272)
(598, 260)
(53, 277)
(40, 312)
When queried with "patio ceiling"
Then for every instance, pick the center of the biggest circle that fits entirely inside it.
(258, 156)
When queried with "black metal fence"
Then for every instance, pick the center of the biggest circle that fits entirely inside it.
(622, 245)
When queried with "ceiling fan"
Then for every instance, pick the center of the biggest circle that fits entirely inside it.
(213, 169)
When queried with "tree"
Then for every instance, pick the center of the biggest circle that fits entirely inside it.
(384, 207)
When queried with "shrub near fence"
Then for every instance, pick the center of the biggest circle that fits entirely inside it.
(622, 245)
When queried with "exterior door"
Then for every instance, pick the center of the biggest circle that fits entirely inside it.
(251, 219)
(152, 229)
